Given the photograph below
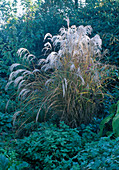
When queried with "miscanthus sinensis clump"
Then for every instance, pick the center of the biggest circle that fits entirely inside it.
(68, 82)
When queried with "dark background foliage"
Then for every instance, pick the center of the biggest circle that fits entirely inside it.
(28, 30)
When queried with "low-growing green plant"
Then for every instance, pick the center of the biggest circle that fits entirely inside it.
(5, 97)
(5, 122)
(50, 146)
(6, 113)
(8, 161)
(69, 81)
(4, 162)
(102, 154)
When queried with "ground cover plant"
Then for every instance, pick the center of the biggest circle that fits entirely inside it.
(52, 147)
(10, 162)
(8, 156)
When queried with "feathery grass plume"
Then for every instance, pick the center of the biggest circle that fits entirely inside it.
(25, 55)
(15, 115)
(69, 82)
(14, 66)
(79, 76)
(17, 80)
(8, 84)
(21, 84)
(47, 47)
(47, 35)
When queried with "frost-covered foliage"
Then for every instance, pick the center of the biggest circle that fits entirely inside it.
(69, 80)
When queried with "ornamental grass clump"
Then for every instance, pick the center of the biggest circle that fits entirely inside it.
(69, 83)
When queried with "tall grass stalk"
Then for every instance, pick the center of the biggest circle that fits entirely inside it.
(69, 83)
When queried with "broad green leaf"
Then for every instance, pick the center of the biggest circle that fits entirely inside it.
(118, 107)
(3, 162)
(113, 108)
(115, 125)
(104, 121)
(115, 122)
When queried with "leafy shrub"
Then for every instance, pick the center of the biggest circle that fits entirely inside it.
(9, 162)
(27, 30)
(102, 154)
(3, 162)
(89, 132)
(5, 97)
(50, 146)
(5, 122)
(62, 148)
(7, 107)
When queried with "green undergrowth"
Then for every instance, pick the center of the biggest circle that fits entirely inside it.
(52, 147)
(48, 146)
(9, 161)
(7, 108)
(8, 157)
